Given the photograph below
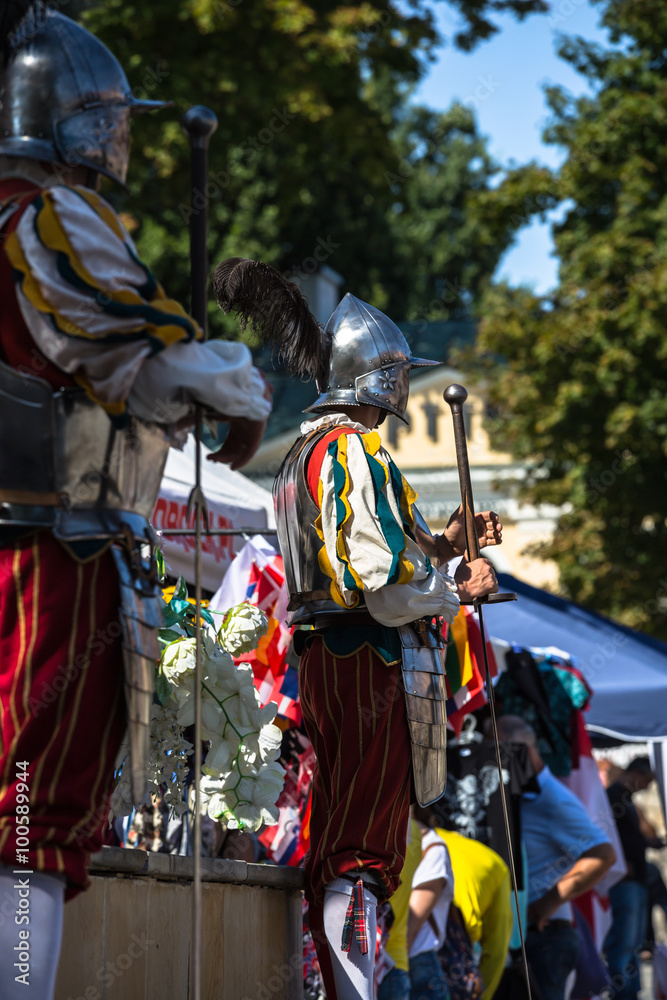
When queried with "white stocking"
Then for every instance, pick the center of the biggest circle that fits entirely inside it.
(353, 972)
(44, 895)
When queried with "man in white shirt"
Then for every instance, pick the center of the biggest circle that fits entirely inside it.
(567, 855)
(431, 897)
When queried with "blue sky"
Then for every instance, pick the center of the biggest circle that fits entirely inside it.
(503, 79)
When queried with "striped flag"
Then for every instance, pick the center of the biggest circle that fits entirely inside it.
(464, 666)
(257, 575)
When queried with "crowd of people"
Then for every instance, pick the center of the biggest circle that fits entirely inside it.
(453, 926)
(450, 931)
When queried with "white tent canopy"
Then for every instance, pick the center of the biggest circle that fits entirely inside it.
(233, 502)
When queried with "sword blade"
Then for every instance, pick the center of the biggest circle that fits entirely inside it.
(200, 123)
(491, 698)
(455, 396)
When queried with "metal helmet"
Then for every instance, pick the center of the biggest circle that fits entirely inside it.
(64, 97)
(368, 360)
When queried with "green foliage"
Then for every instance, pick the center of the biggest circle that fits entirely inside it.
(449, 229)
(312, 102)
(180, 611)
(583, 390)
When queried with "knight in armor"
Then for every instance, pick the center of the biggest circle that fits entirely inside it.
(362, 572)
(100, 372)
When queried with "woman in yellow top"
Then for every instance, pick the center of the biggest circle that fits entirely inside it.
(396, 984)
(482, 894)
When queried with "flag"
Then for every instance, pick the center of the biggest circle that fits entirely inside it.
(288, 840)
(464, 667)
(257, 576)
(585, 782)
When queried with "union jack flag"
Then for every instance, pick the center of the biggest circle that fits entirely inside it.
(257, 576)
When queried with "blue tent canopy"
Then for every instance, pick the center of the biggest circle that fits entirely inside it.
(627, 670)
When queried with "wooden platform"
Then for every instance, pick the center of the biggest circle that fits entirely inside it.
(128, 937)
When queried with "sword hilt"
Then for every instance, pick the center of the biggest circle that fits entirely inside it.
(455, 395)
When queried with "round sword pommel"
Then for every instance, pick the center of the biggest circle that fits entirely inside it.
(200, 123)
(455, 395)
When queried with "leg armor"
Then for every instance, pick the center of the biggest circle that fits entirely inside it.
(425, 699)
(140, 616)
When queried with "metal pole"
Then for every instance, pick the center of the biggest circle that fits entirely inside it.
(200, 123)
(185, 532)
(455, 396)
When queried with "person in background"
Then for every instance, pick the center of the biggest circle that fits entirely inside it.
(482, 895)
(430, 899)
(610, 773)
(396, 984)
(567, 855)
(629, 897)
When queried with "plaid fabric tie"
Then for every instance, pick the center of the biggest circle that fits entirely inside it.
(355, 920)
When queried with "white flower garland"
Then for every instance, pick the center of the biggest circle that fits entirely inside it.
(241, 779)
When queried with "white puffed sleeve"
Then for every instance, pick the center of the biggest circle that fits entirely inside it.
(96, 312)
(366, 526)
(220, 374)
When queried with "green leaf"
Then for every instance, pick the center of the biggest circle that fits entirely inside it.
(171, 616)
(161, 569)
(168, 635)
(163, 688)
(180, 607)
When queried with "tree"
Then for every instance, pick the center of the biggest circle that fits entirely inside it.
(581, 390)
(448, 242)
(309, 94)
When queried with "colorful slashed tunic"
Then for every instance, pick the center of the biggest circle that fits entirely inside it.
(350, 675)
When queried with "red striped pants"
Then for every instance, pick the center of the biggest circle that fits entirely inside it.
(61, 702)
(354, 714)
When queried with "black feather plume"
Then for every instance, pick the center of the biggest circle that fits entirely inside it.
(13, 19)
(276, 309)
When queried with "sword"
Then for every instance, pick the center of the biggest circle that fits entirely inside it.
(455, 395)
(199, 123)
